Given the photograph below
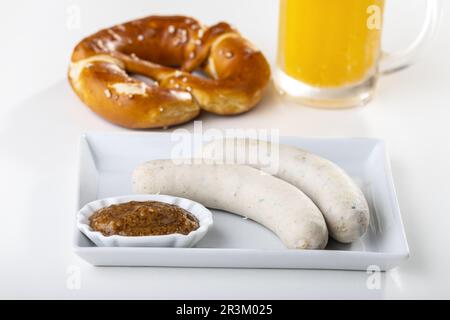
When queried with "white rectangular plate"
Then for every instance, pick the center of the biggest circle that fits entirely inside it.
(106, 164)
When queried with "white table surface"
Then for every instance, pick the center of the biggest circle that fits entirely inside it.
(41, 119)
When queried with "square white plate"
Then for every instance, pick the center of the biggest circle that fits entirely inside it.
(106, 164)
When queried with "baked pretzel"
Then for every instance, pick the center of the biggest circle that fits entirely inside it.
(167, 50)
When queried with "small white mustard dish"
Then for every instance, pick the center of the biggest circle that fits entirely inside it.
(203, 215)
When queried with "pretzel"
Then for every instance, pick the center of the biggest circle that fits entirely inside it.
(169, 50)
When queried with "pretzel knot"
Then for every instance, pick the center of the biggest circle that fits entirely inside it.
(192, 67)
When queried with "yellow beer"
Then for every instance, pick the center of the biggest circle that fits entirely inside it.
(329, 43)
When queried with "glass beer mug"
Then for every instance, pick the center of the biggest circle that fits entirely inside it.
(329, 51)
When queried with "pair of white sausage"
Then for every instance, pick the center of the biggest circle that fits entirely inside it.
(280, 204)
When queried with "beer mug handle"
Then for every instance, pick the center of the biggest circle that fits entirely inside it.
(395, 61)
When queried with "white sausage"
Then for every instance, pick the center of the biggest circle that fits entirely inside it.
(243, 190)
(341, 201)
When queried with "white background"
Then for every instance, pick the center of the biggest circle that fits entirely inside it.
(40, 120)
